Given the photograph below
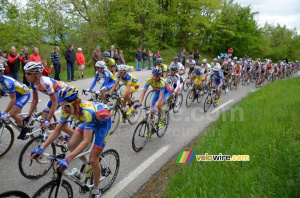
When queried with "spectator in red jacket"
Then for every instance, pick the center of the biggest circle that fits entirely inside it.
(46, 70)
(81, 62)
(35, 55)
(14, 60)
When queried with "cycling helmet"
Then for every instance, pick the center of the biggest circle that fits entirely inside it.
(122, 67)
(159, 60)
(217, 68)
(296, 61)
(191, 57)
(67, 94)
(204, 61)
(2, 68)
(215, 59)
(100, 64)
(175, 58)
(229, 60)
(174, 68)
(197, 68)
(258, 59)
(281, 63)
(238, 62)
(240, 59)
(235, 58)
(34, 66)
(225, 63)
(256, 63)
(157, 71)
(106, 55)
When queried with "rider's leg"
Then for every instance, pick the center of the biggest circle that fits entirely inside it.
(102, 95)
(76, 139)
(14, 111)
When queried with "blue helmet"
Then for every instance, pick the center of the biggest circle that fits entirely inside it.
(67, 94)
(157, 71)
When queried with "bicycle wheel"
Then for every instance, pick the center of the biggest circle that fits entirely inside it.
(190, 98)
(33, 169)
(257, 84)
(115, 119)
(14, 193)
(140, 136)
(7, 138)
(215, 98)
(134, 117)
(186, 85)
(162, 130)
(49, 190)
(178, 103)
(207, 102)
(110, 164)
(148, 99)
(244, 80)
(36, 126)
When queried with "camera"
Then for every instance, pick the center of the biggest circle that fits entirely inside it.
(21, 54)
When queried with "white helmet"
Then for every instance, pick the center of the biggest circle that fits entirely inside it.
(229, 60)
(235, 58)
(197, 68)
(34, 66)
(100, 64)
(204, 61)
(217, 68)
(122, 67)
(2, 68)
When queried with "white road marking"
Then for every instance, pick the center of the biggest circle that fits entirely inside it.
(115, 190)
(253, 90)
(221, 106)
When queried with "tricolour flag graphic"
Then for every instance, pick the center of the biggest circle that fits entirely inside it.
(185, 157)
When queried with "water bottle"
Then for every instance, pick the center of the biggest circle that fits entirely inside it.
(77, 173)
(88, 169)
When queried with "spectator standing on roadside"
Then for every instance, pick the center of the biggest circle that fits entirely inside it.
(179, 55)
(157, 54)
(122, 59)
(81, 63)
(14, 60)
(4, 62)
(25, 52)
(150, 56)
(46, 70)
(6, 71)
(70, 58)
(145, 57)
(35, 57)
(154, 60)
(112, 51)
(117, 57)
(183, 56)
(138, 58)
(196, 56)
(97, 55)
(56, 62)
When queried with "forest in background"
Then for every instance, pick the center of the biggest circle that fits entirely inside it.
(210, 26)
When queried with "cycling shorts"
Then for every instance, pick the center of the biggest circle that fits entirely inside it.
(101, 133)
(156, 96)
(134, 88)
(22, 100)
(197, 81)
(108, 86)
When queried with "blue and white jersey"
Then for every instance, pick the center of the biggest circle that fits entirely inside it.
(11, 86)
(106, 75)
(217, 77)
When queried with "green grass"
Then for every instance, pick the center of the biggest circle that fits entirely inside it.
(268, 131)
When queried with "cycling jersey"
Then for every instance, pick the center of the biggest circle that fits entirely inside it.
(217, 77)
(226, 70)
(48, 86)
(12, 86)
(128, 79)
(110, 63)
(174, 82)
(197, 74)
(191, 64)
(159, 86)
(96, 117)
(238, 69)
(213, 64)
(179, 65)
(109, 80)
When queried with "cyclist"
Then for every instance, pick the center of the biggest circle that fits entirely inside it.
(215, 63)
(238, 72)
(263, 68)
(248, 68)
(132, 85)
(174, 81)
(95, 118)
(162, 93)
(218, 80)
(180, 67)
(164, 68)
(191, 64)
(227, 72)
(206, 66)
(19, 95)
(199, 76)
(110, 62)
(109, 79)
(46, 85)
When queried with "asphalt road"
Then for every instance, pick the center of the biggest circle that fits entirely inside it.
(135, 168)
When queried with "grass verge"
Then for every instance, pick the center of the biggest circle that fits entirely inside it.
(266, 126)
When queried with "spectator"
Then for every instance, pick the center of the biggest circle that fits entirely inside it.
(81, 63)
(122, 60)
(179, 55)
(145, 57)
(196, 56)
(112, 51)
(183, 56)
(7, 71)
(14, 60)
(25, 52)
(96, 55)
(4, 62)
(56, 62)
(138, 58)
(150, 56)
(70, 58)
(157, 54)
(117, 57)
(46, 70)
(154, 60)
(35, 57)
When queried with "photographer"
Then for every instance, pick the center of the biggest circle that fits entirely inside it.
(14, 60)
(25, 55)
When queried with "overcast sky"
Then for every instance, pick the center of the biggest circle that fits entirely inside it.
(276, 11)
